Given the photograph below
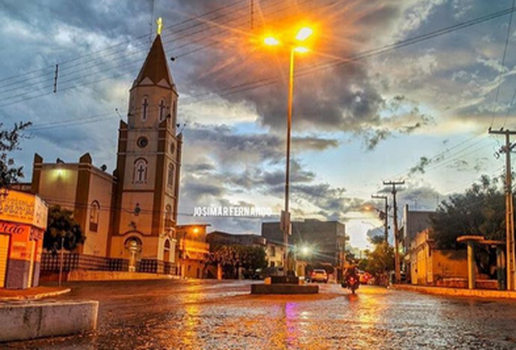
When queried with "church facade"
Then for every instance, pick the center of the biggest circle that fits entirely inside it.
(130, 217)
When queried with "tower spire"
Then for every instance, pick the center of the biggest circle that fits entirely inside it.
(155, 70)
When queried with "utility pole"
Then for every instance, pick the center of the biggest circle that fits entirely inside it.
(386, 216)
(396, 245)
(509, 208)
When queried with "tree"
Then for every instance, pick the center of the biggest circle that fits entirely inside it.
(479, 211)
(381, 260)
(62, 229)
(232, 257)
(10, 141)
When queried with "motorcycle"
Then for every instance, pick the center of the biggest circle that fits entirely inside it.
(352, 283)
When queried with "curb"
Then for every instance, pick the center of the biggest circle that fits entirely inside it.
(458, 292)
(36, 296)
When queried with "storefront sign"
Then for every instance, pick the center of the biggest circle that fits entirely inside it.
(14, 229)
(20, 207)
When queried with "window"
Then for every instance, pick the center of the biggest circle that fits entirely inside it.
(142, 142)
(94, 216)
(174, 110)
(170, 178)
(140, 171)
(145, 108)
(172, 148)
(273, 251)
(161, 110)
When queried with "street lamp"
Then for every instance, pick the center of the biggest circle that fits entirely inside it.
(303, 34)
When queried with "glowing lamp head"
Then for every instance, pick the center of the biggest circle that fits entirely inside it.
(304, 33)
(301, 49)
(305, 250)
(271, 41)
(196, 230)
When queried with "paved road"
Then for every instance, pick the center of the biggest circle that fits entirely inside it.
(223, 315)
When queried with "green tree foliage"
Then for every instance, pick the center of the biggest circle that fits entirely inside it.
(381, 259)
(478, 211)
(232, 257)
(61, 224)
(10, 141)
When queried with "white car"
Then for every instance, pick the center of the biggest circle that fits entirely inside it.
(319, 275)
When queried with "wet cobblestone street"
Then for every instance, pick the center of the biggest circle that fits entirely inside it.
(223, 315)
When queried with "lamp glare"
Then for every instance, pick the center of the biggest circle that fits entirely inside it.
(304, 33)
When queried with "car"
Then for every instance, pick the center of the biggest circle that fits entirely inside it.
(270, 271)
(319, 275)
(364, 277)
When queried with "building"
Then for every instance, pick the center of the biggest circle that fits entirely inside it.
(324, 239)
(23, 220)
(413, 222)
(129, 217)
(430, 266)
(219, 238)
(83, 189)
(275, 252)
(192, 250)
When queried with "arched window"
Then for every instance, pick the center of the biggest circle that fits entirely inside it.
(174, 110)
(140, 171)
(145, 108)
(170, 178)
(94, 216)
(168, 216)
(162, 109)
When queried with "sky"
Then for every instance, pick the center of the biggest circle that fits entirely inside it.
(389, 91)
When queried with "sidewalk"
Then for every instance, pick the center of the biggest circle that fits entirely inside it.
(458, 292)
(31, 293)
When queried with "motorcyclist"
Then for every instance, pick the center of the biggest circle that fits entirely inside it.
(351, 271)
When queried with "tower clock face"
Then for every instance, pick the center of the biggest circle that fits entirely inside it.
(142, 142)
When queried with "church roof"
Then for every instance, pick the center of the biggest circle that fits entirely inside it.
(155, 70)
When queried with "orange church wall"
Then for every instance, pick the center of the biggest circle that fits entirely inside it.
(100, 188)
(58, 184)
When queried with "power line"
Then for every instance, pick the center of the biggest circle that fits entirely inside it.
(117, 67)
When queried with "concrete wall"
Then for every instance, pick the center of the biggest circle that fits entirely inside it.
(429, 265)
(449, 264)
(36, 320)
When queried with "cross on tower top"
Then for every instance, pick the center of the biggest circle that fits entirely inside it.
(159, 25)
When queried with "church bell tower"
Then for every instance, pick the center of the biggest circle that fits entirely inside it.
(148, 162)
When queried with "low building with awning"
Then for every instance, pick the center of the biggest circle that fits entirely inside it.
(23, 220)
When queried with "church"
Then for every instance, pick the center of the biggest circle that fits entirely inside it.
(129, 217)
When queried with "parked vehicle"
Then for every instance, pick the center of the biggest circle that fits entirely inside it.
(364, 277)
(318, 275)
(270, 271)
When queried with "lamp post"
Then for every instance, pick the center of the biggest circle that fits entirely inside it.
(301, 35)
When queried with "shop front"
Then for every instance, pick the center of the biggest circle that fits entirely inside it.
(23, 219)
